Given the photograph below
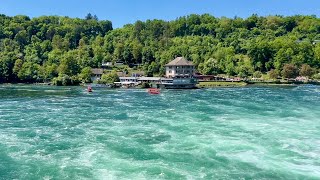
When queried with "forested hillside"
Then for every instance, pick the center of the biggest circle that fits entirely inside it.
(43, 48)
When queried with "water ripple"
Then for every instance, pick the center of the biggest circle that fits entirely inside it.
(224, 133)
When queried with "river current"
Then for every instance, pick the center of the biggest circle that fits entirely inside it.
(222, 133)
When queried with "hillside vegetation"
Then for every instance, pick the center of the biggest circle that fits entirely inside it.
(51, 48)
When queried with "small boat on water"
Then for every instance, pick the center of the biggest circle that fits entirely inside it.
(153, 91)
(89, 89)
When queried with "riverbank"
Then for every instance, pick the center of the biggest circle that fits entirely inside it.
(203, 84)
(210, 84)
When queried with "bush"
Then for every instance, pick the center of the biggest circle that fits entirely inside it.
(109, 78)
(273, 74)
(65, 80)
(306, 70)
(316, 76)
(289, 71)
(85, 75)
(257, 74)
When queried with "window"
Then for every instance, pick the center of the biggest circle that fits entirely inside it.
(170, 71)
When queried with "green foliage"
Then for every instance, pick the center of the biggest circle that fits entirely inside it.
(65, 80)
(244, 66)
(209, 67)
(257, 74)
(29, 72)
(152, 69)
(61, 48)
(85, 75)
(316, 76)
(109, 78)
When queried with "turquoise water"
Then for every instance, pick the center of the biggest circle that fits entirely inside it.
(222, 133)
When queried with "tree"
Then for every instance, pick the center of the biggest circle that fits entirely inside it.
(29, 72)
(136, 51)
(284, 55)
(306, 70)
(152, 69)
(89, 16)
(317, 55)
(22, 37)
(260, 51)
(65, 80)
(95, 17)
(17, 66)
(210, 67)
(60, 48)
(257, 74)
(273, 74)
(289, 71)
(316, 76)
(85, 75)
(244, 66)
(69, 64)
(57, 42)
(50, 71)
(109, 78)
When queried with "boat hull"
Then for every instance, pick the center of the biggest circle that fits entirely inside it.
(153, 91)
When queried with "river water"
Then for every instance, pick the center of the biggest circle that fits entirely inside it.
(222, 133)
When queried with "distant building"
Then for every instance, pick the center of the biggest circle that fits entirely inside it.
(134, 81)
(122, 74)
(301, 79)
(182, 73)
(119, 63)
(138, 74)
(179, 75)
(202, 77)
(96, 74)
(179, 67)
(108, 65)
(315, 42)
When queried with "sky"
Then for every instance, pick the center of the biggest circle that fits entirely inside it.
(122, 12)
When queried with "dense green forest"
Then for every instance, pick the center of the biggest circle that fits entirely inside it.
(51, 48)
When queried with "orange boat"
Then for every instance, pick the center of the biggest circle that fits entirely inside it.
(153, 91)
(89, 89)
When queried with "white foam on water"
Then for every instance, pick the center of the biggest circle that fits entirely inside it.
(204, 134)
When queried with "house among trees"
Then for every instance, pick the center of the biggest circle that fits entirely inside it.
(180, 67)
(179, 74)
(202, 77)
(96, 74)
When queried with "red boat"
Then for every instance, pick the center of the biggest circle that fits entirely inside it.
(89, 89)
(153, 91)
